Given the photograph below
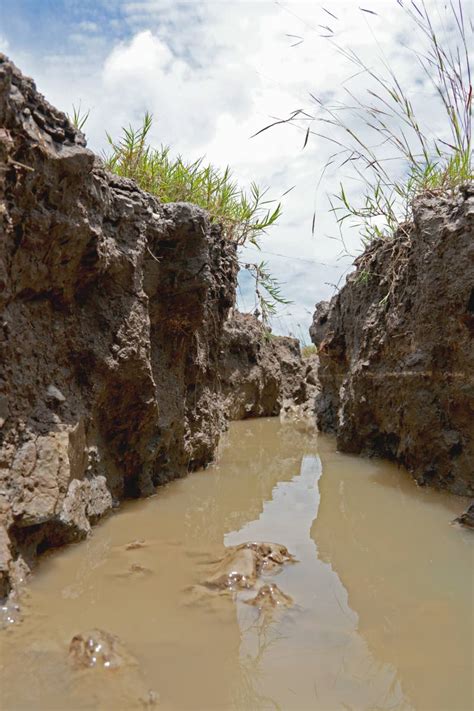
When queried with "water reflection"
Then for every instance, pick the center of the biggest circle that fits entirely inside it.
(409, 574)
(311, 656)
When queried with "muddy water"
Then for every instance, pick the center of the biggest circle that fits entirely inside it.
(383, 591)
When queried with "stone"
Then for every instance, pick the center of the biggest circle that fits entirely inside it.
(53, 393)
(42, 473)
(4, 410)
(467, 518)
(264, 375)
(5, 561)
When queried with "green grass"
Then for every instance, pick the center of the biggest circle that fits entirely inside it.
(78, 118)
(307, 351)
(245, 216)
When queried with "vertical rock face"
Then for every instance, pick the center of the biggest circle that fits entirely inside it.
(263, 375)
(111, 313)
(396, 347)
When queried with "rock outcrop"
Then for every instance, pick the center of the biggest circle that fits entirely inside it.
(396, 347)
(113, 355)
(112, 307)
(263, 375)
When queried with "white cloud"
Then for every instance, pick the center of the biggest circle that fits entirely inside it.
(138, 59)
(213, 74)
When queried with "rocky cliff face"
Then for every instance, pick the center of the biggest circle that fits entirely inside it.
(396, 347)
(112, 307)
(264, 375)
(118, 370)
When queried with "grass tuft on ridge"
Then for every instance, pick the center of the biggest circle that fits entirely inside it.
(396, 158)
(244, 216)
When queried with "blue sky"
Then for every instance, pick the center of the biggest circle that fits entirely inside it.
(47, 24)
(213, 73)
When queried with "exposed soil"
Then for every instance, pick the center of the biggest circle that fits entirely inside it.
(396, 347)
(264, 375)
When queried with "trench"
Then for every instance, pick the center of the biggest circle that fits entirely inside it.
(383, 592)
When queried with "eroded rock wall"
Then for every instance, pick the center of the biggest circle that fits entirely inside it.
(263, 375)
(112, 307)
(396, 347)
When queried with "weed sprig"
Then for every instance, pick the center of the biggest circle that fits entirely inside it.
(78, 118)
(267, 290)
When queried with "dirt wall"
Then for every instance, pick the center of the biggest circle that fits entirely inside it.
(396, 347)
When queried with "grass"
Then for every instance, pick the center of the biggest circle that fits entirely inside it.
(308, 351)
(395, 158)
(78, 118)
(245, 216)
(379, 138)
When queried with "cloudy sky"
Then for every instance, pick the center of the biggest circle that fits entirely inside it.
(213, 73)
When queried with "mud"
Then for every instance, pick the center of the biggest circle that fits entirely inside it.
(98, 649)
(270, 597)
(242, 565)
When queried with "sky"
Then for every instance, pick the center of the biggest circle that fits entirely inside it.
(213, 74)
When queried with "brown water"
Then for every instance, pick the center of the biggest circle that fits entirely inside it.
(383, 591)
